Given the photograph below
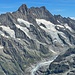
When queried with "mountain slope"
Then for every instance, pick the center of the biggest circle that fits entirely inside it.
(64, 64)
(32, 35)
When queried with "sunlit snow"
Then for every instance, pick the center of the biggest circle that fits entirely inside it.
(9, 31)
(1, 33)
(48, 24)
(72, 18)
(24, 29)
(68, 27)
(61, 26)
(50, 28)
(1, 47)
(25, 22)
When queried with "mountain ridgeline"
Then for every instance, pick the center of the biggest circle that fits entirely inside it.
(29, 36)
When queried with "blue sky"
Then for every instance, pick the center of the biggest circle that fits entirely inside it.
(66, 8)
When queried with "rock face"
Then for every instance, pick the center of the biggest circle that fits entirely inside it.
(64, 64)
(32, 35)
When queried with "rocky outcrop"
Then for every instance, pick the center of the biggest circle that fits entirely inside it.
(31, 35)
(64, 64)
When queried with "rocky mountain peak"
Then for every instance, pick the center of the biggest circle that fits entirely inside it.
(32, 38)
(23, 9)
(43, 7)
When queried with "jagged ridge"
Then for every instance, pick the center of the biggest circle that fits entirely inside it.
(31, 35)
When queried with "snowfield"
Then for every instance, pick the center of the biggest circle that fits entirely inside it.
(9, 31)
(24, 22)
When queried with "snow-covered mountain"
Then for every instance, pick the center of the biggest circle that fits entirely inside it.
(30, 36)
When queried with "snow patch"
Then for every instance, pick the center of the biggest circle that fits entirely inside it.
(1, 33)
(61, 26)
(72, 18)
(48, 24)
(53, 51)
(1, 47)
(18, 39)
(68, 27)
(24, 29)
(39, 21)
(9, 31)
(58, 21)
(65, 38)
(64, 26)
(24, 22)
(50, 28)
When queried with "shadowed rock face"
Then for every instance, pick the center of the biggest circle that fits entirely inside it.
(42, 13)
(32, 35)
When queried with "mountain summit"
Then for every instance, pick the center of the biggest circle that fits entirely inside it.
(23, 9)
(31, 39)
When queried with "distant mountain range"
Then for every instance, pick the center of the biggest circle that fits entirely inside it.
(35, 42)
